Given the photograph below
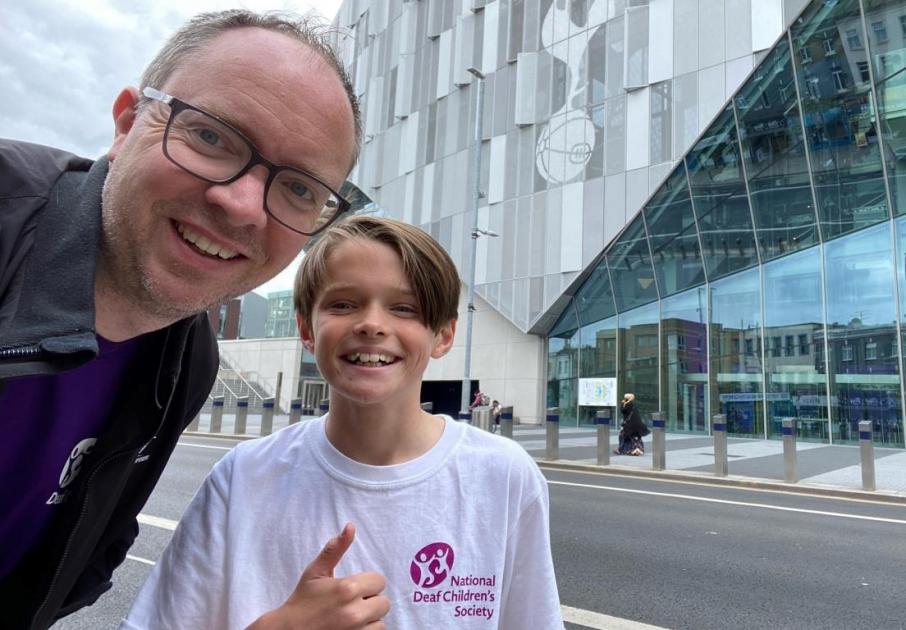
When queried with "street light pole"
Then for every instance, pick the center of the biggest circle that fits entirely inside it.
(475, 232)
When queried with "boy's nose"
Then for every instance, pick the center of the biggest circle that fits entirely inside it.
(371, 323)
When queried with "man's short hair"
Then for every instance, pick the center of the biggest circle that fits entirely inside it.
(204, 27)
(431, 272)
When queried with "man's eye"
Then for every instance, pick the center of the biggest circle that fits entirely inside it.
(299, 189)
(209, 136)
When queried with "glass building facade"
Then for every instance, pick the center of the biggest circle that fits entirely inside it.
(765, 278)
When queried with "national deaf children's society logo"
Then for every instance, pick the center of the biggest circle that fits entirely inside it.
(431, 565)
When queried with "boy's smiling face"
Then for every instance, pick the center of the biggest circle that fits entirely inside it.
(367, 332)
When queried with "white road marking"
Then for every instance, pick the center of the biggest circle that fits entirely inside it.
(142, 560)
(764, 506)
(591, 619)
(157, 521)
(215, 448)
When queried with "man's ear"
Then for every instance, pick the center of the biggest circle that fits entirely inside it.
(305, 334)
(124, 113)
(443, 339)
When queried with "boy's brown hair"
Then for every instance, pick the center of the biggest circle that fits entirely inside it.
(430, 270)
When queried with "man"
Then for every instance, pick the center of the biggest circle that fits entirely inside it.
(106, 270)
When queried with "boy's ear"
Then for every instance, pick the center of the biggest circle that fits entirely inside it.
(308, 340)
(443, 339)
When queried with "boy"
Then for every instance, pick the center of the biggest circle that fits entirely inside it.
(455, 519)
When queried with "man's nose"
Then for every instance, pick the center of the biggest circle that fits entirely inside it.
(242, 201)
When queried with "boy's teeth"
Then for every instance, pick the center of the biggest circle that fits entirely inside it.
(364, 357)
(205, 245)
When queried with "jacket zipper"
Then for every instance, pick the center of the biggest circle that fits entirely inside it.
(91, 477)
(20, 352)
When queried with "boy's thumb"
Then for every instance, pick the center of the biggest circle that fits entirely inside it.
(326, 561)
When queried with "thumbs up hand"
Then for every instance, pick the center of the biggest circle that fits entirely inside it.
(321, 601)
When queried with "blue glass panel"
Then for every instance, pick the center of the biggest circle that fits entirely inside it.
(563, 373)
(720, 199)
(597, 356)
(567, 324)
(736, 378)
(673, 237)
(886, 49)
(639, 356)
(839, 119)
(630, 267)
(684, 361)
(774, 157)
(862, 336)
(794, 345)
(594, 300)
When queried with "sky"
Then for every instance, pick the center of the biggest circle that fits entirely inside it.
(62, 63)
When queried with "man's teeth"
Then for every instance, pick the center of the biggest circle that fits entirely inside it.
(205, 245)
(365, 359)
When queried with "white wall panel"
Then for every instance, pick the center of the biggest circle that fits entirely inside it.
(481, 251)
(660, 40)
(409, 202)
(767, 22)
(614, 205)
(405, 85)
(738, 20)
(463, 49)
(427, 201)
(444, 53)
(711, 49)
(489, 46)
(526, 88)
(711, 96)
(636, 191)
(496, 171)
(736, 72)
(409, 144)
(637, 109)
(571, 228)
(407, 24)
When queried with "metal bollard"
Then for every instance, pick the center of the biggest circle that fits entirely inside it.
(867, 451)
(295, 410)
(789, 450)
(658, 445)
(193, 426)
(428, 406)
(506, 421)
(602, 420)
(481, 417)
(553, 433)
(719, 430)
(324, 406)
(465, 416)
(216, 414)
(242, 414)
(267, 416)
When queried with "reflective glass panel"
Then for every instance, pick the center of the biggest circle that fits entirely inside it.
(735, 375)
(899, 262)
(794, 345)
(684, 361)
(639, 357)
(774, 157)
(674, 240)
(594, 300)
(861, 329)
(839, 119)
(888, 58)
(563, 365)
(597, 357)
(720, 199)
(630, 267)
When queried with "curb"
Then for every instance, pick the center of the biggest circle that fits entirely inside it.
(878, 496)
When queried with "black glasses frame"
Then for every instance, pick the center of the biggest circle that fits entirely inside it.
(255, 158)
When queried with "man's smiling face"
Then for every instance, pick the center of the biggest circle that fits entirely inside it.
(173, 244)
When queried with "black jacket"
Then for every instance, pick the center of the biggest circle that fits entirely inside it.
(49, 232)
(633, 425)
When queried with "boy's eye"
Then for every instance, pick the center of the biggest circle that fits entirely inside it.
(339, 306)
(406, 309)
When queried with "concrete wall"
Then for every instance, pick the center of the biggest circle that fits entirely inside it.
(259, 361)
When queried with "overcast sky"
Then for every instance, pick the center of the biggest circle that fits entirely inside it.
(62, 63)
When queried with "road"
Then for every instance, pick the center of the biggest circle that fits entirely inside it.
(632, 551)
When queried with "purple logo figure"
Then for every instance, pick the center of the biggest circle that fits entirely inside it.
(431, 565)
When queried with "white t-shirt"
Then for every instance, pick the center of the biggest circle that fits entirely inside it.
(460, 533)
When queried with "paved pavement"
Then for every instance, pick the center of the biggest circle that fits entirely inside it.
(821, 467)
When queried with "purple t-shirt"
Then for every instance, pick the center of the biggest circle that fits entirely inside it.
(50, 423)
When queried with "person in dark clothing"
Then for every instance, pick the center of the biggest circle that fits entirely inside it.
(632, 430)
(107, 269)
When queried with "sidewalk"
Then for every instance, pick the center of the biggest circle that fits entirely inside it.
(754, 463)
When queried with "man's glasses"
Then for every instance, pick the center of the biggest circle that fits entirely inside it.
(210, 149)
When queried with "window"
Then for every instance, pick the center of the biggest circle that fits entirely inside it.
(871, 350)
(750, 346)
(789, 349)
(847, 353)
(903, 24)
(775, 346)
(864, 75)
(829, 48)
(880, 30)
(803, 345)
(805, 55)
(839, 79)
(853, 39)
(812, 86)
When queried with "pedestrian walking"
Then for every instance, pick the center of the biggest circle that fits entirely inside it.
(632, 430)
